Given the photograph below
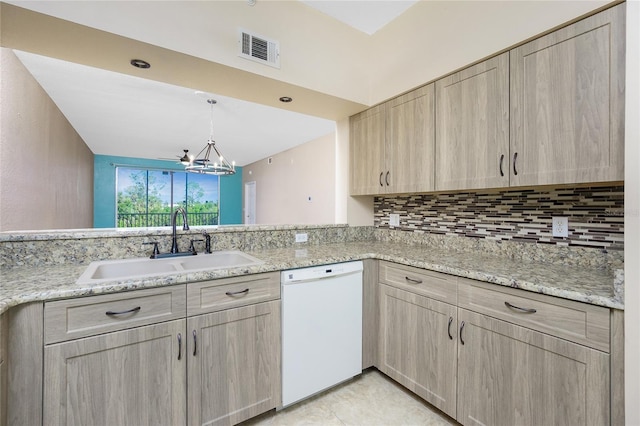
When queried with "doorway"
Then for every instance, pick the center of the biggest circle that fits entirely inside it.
(250, 203)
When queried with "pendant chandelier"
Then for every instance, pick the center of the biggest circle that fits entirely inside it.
(204, 164)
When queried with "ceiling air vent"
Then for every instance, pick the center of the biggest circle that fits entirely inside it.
(259, 49)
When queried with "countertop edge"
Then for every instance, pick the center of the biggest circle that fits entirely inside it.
(107, 287)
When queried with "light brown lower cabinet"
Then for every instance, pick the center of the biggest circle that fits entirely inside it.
(214, 368)
(130, 377)
(417, 345)
(511, 375)
(233, 364)
(482, 370)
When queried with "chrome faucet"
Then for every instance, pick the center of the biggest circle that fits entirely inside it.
(185, 227)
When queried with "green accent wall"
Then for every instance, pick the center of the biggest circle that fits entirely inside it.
(104, 189)
(231, 198)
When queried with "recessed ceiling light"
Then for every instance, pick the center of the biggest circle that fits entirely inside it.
(139, 63)
(286, 99)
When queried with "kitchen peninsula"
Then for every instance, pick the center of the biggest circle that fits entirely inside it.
(42, 268)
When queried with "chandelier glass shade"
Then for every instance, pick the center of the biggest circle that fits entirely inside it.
(210, 161)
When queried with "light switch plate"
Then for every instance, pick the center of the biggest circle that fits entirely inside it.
(394, 219)
(560, 226)
(301, 238)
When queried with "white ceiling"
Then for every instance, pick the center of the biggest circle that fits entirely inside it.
(118, 114)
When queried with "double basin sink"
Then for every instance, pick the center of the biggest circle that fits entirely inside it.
(142, 267)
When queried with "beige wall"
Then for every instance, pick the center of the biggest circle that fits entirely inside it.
(283, 187)
(317, 52)
(46, 169)
(434, 38)
(632, 217)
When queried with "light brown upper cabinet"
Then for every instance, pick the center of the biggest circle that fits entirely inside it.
(472, 127)
(393, 145)
(548, 112)
(367, 151)
(567, 104)
(410, 146)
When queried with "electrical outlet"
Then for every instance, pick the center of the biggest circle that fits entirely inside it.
(301, 238)
(394, 219)
(560, 226)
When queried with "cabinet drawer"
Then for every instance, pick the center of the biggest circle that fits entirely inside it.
(435, 285)
(216, 295)
(88, 316)
(574, 321)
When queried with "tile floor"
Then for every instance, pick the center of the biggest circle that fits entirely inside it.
(371, 399)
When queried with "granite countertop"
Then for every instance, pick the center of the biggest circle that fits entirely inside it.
(594, 286)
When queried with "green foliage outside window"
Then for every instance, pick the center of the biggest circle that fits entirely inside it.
(145, 198)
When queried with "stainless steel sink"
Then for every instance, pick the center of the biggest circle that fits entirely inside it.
(143, 267)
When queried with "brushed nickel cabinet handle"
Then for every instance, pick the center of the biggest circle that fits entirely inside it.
(413, 280)
(129, 311)
(386, 179)
(525, 310)
(501, 161)
(380, 179)
(515, 170)
(449, 328)
(195, 343)
(179, 346)
(237, 293)
(461, 328)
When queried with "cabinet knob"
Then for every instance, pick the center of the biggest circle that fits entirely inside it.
(386, 179)
(501, 161)
(461, 328)
(179, 346)
(515, 170)
(449, 328)
(380, 179)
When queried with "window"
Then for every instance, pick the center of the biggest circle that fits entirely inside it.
(148, 197)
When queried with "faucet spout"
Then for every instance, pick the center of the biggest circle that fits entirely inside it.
(185, 227)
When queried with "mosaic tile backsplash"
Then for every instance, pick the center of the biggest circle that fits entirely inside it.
(596, 215)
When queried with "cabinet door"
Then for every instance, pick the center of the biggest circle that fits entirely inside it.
(367, 151)
(567, 104)
(418, 345)
(472, 127)
(410, 142)
(510, 375)
(234, 364)
(131, 377)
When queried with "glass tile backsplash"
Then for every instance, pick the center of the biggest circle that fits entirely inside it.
(596, 215)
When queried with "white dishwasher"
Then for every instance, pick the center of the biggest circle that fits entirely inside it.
(321, 328)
